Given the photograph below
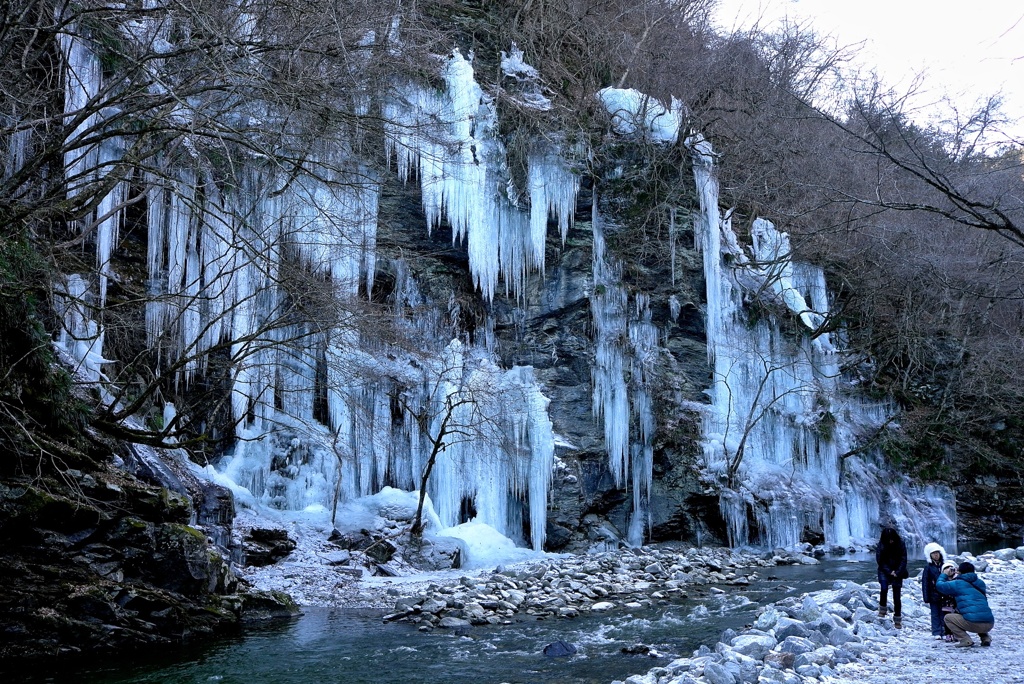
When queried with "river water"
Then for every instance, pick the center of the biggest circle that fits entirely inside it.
(352, 647)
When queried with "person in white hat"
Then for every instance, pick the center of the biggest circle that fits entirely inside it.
(936, 556)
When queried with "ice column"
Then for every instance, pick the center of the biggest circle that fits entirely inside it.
(80, 336)
(625, 353)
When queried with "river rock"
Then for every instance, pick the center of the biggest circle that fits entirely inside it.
(642, 679)
(718, 674)
(752, 645)
(743, 667)
(841, 636)
(768, 618)
(838, 610)
(433, 606)
(454, 623)
(786, 627)
(810, 671)
(796, 645)
(559, 649)
(865, 614)
(778, 676)
(809, 609)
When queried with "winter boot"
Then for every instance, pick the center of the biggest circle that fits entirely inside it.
(965, 643)
(986, 640)
(882, 611)
(897, 621)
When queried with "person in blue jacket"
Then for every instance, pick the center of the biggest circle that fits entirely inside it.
(970, 593)
(936, 556)
(891, 556)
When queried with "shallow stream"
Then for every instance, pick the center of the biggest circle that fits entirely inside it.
(350, 647)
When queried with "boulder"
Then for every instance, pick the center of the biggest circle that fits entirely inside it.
(265, 546)
(795, 645)
(753, 646)
(559, 649)
(768, 618)
(787, 627)
(439, 553)
(259, 606)
(1005, 554)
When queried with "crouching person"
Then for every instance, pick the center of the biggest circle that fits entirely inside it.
(974, 614)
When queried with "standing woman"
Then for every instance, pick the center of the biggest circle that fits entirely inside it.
(891, 556)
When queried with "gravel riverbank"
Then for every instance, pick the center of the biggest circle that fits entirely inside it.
(837, 637)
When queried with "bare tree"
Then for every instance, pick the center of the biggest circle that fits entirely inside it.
(110, 110)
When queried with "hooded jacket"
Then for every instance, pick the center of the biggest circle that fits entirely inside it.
(931, 573)
(970, 594)
(891, 556)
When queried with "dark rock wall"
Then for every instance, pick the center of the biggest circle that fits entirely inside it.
(98, 561)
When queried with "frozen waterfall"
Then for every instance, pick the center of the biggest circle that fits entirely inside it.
(450, 141)
(782, 431)
(323, 412)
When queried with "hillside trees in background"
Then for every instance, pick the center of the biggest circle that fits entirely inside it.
(918, 225)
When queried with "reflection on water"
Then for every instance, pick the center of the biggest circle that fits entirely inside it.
(351, 648)
(977, 548)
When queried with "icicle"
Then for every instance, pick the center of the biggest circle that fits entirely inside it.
(82, 80)
(17, 147)
(610, 396)
(553, 188)
(108, 215)
(461, 168)
(80, 336)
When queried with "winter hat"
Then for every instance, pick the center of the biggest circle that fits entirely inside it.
(949, 564)
(965, 567)
(931, 548)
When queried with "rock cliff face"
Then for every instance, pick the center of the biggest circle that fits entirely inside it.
(551, 328)
(96, 560)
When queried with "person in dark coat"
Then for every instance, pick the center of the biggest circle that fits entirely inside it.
(891, 556)
(936, 556)
(971, 596)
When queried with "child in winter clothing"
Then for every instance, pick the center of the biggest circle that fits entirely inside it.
(947, 603)
(936, 556)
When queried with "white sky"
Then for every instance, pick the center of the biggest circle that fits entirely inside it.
(963, 49)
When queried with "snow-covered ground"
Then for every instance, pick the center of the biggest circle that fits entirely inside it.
(914, 656)
(320, 573)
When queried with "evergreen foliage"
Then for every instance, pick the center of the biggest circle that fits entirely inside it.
(39, 415)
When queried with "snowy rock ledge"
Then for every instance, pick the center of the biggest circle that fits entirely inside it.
(836, 636)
